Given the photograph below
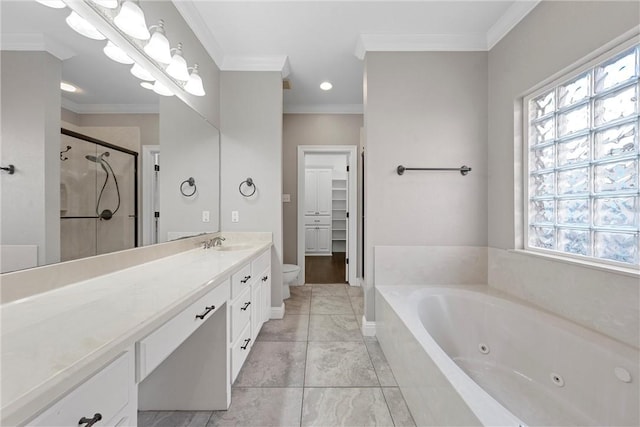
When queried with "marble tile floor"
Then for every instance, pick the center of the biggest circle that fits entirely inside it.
(311, 368)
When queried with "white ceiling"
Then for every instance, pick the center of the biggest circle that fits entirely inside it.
(320, 39)
(307, 41)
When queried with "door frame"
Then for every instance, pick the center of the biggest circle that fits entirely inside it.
(148, 192)
(352, 161)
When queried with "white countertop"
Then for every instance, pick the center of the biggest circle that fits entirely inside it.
(54, 340)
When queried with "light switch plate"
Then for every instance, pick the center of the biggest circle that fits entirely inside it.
(205, 216)
(286, 198)
(235, 216)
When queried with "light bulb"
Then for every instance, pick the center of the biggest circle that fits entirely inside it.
(82, 26)
(131, 21)
(194, 84)
(158, 47)
(326, 86)
(117, 54)
(56, 4)
(109, 4)
(177, 68)
(161, 89)
(141, 73)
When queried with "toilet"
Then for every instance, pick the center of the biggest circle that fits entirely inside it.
(289, 277)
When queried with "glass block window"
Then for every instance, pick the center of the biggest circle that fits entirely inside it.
(583, 163)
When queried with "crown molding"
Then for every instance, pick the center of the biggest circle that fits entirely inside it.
(279, 63)
(509, 19)
(68, 104)
(419, 43)
(194, 20)
(324, 109)
(35, 42)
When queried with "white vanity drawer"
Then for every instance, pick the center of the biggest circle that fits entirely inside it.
(261, 263)
(240, 351)
(317, 220)
(106, 393)
(240, 280)
(240, 313)
(158, 345)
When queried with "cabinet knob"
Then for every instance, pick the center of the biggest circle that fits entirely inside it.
(90, 421)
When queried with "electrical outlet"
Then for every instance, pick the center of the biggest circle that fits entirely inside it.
(205, 216)
(235, 216)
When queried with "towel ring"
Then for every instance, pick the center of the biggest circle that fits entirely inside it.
(249, 183)
(192, 183)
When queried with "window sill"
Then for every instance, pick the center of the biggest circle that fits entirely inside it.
(625, 271)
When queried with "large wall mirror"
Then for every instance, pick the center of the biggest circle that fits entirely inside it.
(96, 170)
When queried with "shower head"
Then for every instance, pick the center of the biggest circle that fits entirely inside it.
(97, 159)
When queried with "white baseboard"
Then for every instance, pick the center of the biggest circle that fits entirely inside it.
(368, 328)
(277, 312)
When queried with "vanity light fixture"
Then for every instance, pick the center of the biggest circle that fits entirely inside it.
(161, 89)
(147, 85)
(141, 73)
(82, 26)
(178, 66)
(56, 4)
(158, 47)
(108, 4)
(117, 54)
(68, 87)
(326, 86)
(131, 20)
(194, 84)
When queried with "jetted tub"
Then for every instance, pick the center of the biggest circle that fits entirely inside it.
(468, 355)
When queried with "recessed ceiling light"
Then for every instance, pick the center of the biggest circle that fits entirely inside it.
(326, 86)
(68, 87)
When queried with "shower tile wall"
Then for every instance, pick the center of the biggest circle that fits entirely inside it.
(80, 183)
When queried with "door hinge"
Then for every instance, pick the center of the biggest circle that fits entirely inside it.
(347, 214)
(347, 260)
(156, 168)
(347, 168)
(156, 214)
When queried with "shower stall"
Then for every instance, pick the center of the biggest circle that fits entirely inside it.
(98, 197)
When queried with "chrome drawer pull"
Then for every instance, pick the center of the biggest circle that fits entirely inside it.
(246, 279)
(265, 278)
(207, 311)
(246, 343)
(246, 305)
(90, 421)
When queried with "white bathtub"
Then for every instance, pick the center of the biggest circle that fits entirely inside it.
(467, 355)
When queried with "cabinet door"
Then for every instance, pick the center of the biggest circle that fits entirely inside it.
(324, 239)
(310, 192)
(310, 239)
(324, 191)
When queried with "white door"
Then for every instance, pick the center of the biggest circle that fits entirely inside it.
(324, 191)
(324, 239)
(310, 239)
(310, 192)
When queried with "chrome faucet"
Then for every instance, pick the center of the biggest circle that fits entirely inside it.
(217, 241)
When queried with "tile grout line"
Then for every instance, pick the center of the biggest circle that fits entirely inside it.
(306, 355)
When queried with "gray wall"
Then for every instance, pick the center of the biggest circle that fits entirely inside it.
(424, 110)
(552, 37)
(251, 124)
(190, 149)
(311, 129)
(30, 140)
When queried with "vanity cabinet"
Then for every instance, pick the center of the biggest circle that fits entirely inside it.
(250, 305)
(109, 398)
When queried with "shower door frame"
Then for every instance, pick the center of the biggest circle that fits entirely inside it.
(105, 144)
